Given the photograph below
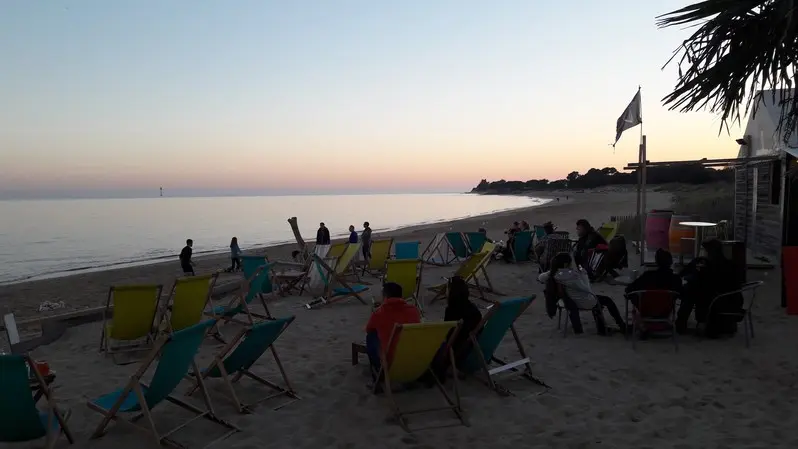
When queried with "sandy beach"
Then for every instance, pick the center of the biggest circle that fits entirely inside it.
(604, 394)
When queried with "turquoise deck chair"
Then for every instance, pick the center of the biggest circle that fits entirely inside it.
(407, 250)
(20, 419)
(175, 354)
(539, 232)
(522, 245)
(333, 293)
(234, 361)
(485, 340)
(250, 266)
(475, 241)
(256, 280)
(458, 244)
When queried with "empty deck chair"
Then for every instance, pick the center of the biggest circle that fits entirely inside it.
(473, 271)
(174, 354)
(475, 241)
(522, 246)
(486, 338)
(132, 325)
(337, 249)
(187, 301)
(380, 253)
(407, 250)
(406, 273)
(445, 249)
(20, 419)
(415, 347)
(234, 361)
(240, 304)
(333, 282)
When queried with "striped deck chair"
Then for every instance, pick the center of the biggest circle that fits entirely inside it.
(522, 246)
(406, 273)
(487, 337)
(473, 271)
(407, 250)
(380, 252)
(335, 286)
(415, 347)
(187, 301)
(475, 241)
(132, 326)
(20, 419)
(174, 354)
(233, 362)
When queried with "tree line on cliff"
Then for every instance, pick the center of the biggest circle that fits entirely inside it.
(608, 176)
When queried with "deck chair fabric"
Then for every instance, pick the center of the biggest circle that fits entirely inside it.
(345, 265)
(473, 271)
(175, 355)
(294, 279)
(407, 250)
(458, 244)
(337, 249)
(251, 288)
(608, 230)
(487, 337)
(653, 311)
(475, 241)
(522, 246)
(20, 419)
(380, 252)
(335, 285)
(251, 264)
(234, 361)
(415, 347)
(133, 318)
(406, 273)
(188, 299)
(439, 251)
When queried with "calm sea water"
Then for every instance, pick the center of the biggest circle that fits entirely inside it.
(59, 237)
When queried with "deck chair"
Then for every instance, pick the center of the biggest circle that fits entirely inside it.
(472, 270)
(475, 241)
(293, 279)
(174, 354)
(337, 249)
(133, 318)
(487, 337)
(655, 310)
(406, 273)
(20, 419)
(608, 230)
(262, 285)
(380, 253)
(233, 362)
(407, 250)
(251, 287)
(553, 246)
(187, 301)
(522, 246)
(335, 286)
(415, 348)
(540, 232)
(444, 249)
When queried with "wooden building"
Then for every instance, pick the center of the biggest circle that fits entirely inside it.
(766, 197)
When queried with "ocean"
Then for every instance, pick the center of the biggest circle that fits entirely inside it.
(50, 238)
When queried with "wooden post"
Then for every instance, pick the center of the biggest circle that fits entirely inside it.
(641, 199)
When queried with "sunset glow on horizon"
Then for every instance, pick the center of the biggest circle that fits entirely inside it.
(337, 96)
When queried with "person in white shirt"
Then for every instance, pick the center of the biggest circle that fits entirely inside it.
(572, 285)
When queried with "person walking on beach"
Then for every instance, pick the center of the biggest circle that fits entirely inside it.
(235, 255)
(185, 259)
(365, 239)
(352, 234)
(322, 235)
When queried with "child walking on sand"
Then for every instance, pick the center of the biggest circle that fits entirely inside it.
(185, 259)
(235, 255)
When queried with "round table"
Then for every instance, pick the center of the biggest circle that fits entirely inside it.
(699, 232)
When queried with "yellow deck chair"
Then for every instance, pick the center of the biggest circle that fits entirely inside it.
(379, 254)
(188, 299)
(345, 265)
(334, 285)
(416, 346)
(473, 271)
(337, 249)
(608, 230)
(131, 327)
(406, 273)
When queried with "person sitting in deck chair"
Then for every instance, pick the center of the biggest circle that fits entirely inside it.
(540, 246)
(393, 310)
(589, 239)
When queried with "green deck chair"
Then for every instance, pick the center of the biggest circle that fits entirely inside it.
(458, 245)
(487, 337)
(175, 355)
(20, 419)
(234, 361)
(256, 280)
(475, 241)
(522, 246)
(407, 250)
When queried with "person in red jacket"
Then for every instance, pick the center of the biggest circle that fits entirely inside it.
(393, 310)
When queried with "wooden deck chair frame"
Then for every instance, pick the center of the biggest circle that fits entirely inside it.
(134, 386)
(384, 374)
(504, 366)
(287, 284)
(168, 306)
(105, 341)
(239, 300)
(378, 268)
(53, 411)
(332, 278)
(472, 279)
(231, 379)
(447, 256)
(416, 295)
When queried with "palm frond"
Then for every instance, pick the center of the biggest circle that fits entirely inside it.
(740, 48)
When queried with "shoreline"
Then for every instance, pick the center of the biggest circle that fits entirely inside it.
(257, 248)
(90, 289)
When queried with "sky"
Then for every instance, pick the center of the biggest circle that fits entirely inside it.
(331, 96)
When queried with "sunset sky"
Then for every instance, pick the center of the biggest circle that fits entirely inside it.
(313, 96)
